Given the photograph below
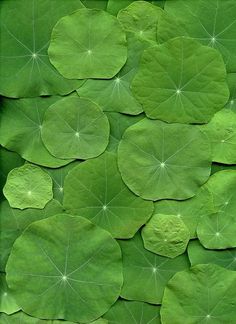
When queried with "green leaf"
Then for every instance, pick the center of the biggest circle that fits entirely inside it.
(21, 126)
(211, 22)
(7, 302)
(14, 221)
(164, 161)
(94, 189)
(189, 78)
(78, 125)
(100, 4)
(221, 131)
(89, 43)
(25, 34)
(115, 94)
(22, 318)
(217, 230)
(8, 161)
(231, 79)
(198, 254)
(133, 312)
(114, 6)
(198, 296)
(28, 187)
(219, 167)
(190, 210)
(146, 273)
(77, 262)
(166, 235)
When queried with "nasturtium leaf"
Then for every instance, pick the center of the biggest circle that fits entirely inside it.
(141, 18)
(8, 161)
(133, 312)
(28, 187)
(146, 273)
(217, 230)
(231, 80)
(165, 235)
(215, 167)
(58, 175)
(221, 132)
(162, 161)
(181, 81)
(25, 67)
(115, 94)
(95, 190)
(77, 262)
(75, 128)
(189, 210)
(100, 4)
(211, 22)
(22, 318)
(14, 221)
(203, 294)
(89, 43)
(21, 125)
(198, 254)
(114, 6)
(7, 301)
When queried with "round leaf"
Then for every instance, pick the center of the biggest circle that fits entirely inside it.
(7, 302)
(25, 34)
(75, 261)
(89, 43)
(159, 160)
(146, 273)
(28, 186)
(95, 190)
(22, 318)
(21, 126)
(78, 125)
(198, 295)
(165, 235)
(190, 82)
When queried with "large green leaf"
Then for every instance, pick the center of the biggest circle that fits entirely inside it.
(217, 230)
(8, 161)
(203, 294)
(198, 254)
(146, 273)
(20, 131)
(28, 187)
(211, 22)
(159, 160)
(114, 6)
(94, 189)
(222, 133)
(132, 312)
(25, 34)
(115, 94)
(75, 128)
(14, 221)
(7, 301)
(181, 81)
(76, 261)
(89, 43)
(165, 235)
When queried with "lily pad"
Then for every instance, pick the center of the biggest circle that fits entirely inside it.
(77, 124)
(25, 67)
(190, 210)
(198, 295)
(14, 221)
(115, 94)
(166, 235)
(7, 302)
(133, 312)
(206, 21)
(199, 255)
(189, 78)
(222, 133)
(146, 273)
(89, 43)
(21, 126)
(28, 187)
(164, 161)
(67, 266)
(217, 230)
(94, 189)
